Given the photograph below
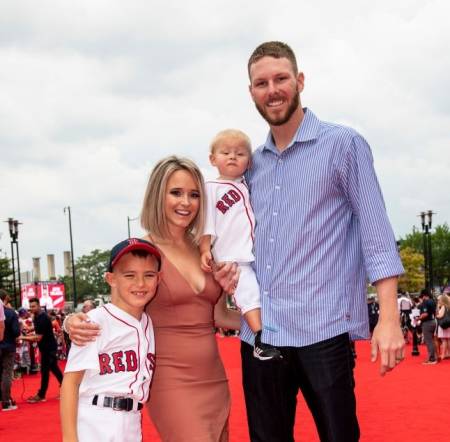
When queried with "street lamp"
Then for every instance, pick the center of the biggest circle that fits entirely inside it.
(72, 258)
(426, 221)
(128, 224)
(13, 225)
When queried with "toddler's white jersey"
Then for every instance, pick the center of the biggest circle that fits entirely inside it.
(229, 220)
(120, 362)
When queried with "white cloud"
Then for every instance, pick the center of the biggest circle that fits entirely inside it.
(94, 92)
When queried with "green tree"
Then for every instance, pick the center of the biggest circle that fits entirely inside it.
(89, 271)
(414, 277)
(5, 274)
(440, 249)
(441, 254)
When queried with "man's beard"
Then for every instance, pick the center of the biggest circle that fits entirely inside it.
(279, 121)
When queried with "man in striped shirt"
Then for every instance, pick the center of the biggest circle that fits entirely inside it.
(321, 233)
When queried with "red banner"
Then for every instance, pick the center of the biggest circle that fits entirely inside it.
(51, 294)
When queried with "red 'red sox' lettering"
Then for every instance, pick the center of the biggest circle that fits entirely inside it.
(151, 359)
(228, 199)
(117, 362)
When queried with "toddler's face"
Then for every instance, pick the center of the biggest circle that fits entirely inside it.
(231, 158)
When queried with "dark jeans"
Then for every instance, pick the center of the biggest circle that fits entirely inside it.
(6, 373)
(49, 363)
(428, 329)
(324, 374)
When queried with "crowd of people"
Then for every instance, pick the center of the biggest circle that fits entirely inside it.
(420, 317)
(33, 342)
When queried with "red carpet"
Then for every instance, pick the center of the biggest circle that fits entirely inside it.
(410, 403)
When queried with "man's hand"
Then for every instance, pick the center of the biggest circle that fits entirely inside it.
(387, 343)
(81, 329)
(227, 275)
(387, 339)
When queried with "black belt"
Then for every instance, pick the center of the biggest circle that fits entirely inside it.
(118, 403)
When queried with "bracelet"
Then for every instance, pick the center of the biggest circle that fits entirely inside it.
(64, 324)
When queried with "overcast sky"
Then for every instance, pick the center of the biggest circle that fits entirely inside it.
(94, 92)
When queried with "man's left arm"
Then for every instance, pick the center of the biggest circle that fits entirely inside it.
(381, 258)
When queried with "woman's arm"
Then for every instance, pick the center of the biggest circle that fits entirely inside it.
(440, 312)
(69, 405)
(225, 317)
(81, 329)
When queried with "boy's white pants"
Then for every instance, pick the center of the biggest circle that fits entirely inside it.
(246, 295)
(99, 424)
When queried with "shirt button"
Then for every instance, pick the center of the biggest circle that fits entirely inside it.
(268, 267)
(275, 213)
(277, 187)
(265, 292)
(270, 239)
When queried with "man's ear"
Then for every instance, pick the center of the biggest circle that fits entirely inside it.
(250, 90)
(300, 81)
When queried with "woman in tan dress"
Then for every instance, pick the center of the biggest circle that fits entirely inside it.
(189, 397)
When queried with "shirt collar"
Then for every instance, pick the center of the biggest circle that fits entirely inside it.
(307, 131)
(122, 314)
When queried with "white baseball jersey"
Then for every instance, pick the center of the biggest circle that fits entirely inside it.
(120, 362)
(229, 220)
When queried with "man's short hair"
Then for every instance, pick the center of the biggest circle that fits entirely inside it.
(3, 294)
(235, 134)
(34, 300)
(424, 292)
(275, 49)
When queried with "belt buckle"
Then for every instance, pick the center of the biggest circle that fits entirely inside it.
(117, 403)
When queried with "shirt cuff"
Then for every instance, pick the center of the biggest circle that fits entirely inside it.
(383, 265)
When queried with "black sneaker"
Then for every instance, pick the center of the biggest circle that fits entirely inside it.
(35, 399)
(9, 405)
(265, 352)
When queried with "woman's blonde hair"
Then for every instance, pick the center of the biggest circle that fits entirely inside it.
(153, 215)
(444, 300)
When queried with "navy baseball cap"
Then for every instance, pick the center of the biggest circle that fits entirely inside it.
(131, 245)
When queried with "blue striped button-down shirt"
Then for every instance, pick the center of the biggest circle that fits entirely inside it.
(321, 233)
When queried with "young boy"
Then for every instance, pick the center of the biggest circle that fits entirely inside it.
(229, 229)
(106, 382)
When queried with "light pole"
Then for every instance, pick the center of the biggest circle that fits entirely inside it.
(16, 226)
(128, 224)
(74, 284)
(426, 221)
(13, 225)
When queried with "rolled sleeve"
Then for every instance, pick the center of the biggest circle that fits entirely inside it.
(381, 257)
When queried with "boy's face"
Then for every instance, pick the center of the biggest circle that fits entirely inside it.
(231, 158)
(133, 282)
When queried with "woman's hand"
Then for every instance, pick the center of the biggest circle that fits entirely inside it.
(80, 329)
(227, 275)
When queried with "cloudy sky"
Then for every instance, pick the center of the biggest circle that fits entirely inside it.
(93, 92)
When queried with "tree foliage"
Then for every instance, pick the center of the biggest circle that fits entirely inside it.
(89, 273)
(5, 273)
(413, 280)
(440, 247)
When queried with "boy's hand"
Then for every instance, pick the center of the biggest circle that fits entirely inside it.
(206, 260)
(81, 329)
(227, 275)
